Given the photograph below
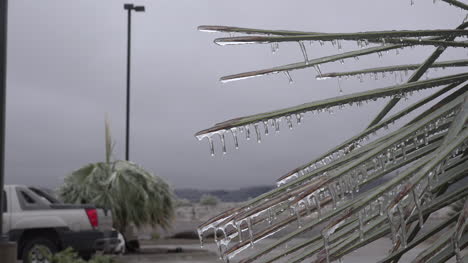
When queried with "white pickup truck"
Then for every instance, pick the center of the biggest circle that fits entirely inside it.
(35, 220)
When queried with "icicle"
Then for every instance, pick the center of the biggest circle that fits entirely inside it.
(270, 216)
(299, 118)
(298, 216)
(339, 45)
(379, 54)
(247, 132)
(223, 142)
(331, 188)
(317, 68)
(339, 85)
(402, 225)
(257, 132)
(381, 206)
(288, 76)
(239, 231)
(277, 125)
(418, 207)
(361, 225)
(265, 125)
(249, 226)
(326, 246)
(317, 205)
(392, 226)
(234, 135)
(210, 142)
(304, 52)
(458, 233)
(403, 150)
(290, 124)
(200, 236)
(274, 47)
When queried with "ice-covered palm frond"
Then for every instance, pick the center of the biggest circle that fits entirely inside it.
(390, 37)
(356, 141)
(373, 72)
(262, 123)
(361, 43)
(457, 4)
(343, 192)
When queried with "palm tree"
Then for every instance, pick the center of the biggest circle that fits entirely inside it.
(134, 195)
(424, 157)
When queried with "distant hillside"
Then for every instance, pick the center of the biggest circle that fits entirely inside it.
(240, 195)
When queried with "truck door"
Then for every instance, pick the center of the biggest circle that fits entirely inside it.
(5, 214)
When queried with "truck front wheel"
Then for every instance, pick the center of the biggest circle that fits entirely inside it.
(37, 250)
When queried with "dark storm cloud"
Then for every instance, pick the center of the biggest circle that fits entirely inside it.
(67, 70)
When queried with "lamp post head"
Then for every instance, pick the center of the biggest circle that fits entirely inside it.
(139, 8)
(136, 8)
(128, 6)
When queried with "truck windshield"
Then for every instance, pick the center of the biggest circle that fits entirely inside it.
(48, 198)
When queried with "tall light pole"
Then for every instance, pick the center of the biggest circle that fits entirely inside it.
(3, 55)
(129, 8)
(7, 249)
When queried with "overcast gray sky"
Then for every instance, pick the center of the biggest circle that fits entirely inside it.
(66, 70)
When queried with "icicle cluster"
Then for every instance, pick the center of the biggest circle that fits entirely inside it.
(275, 123)
(310, 201)
(422, 138)
(404, 201)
